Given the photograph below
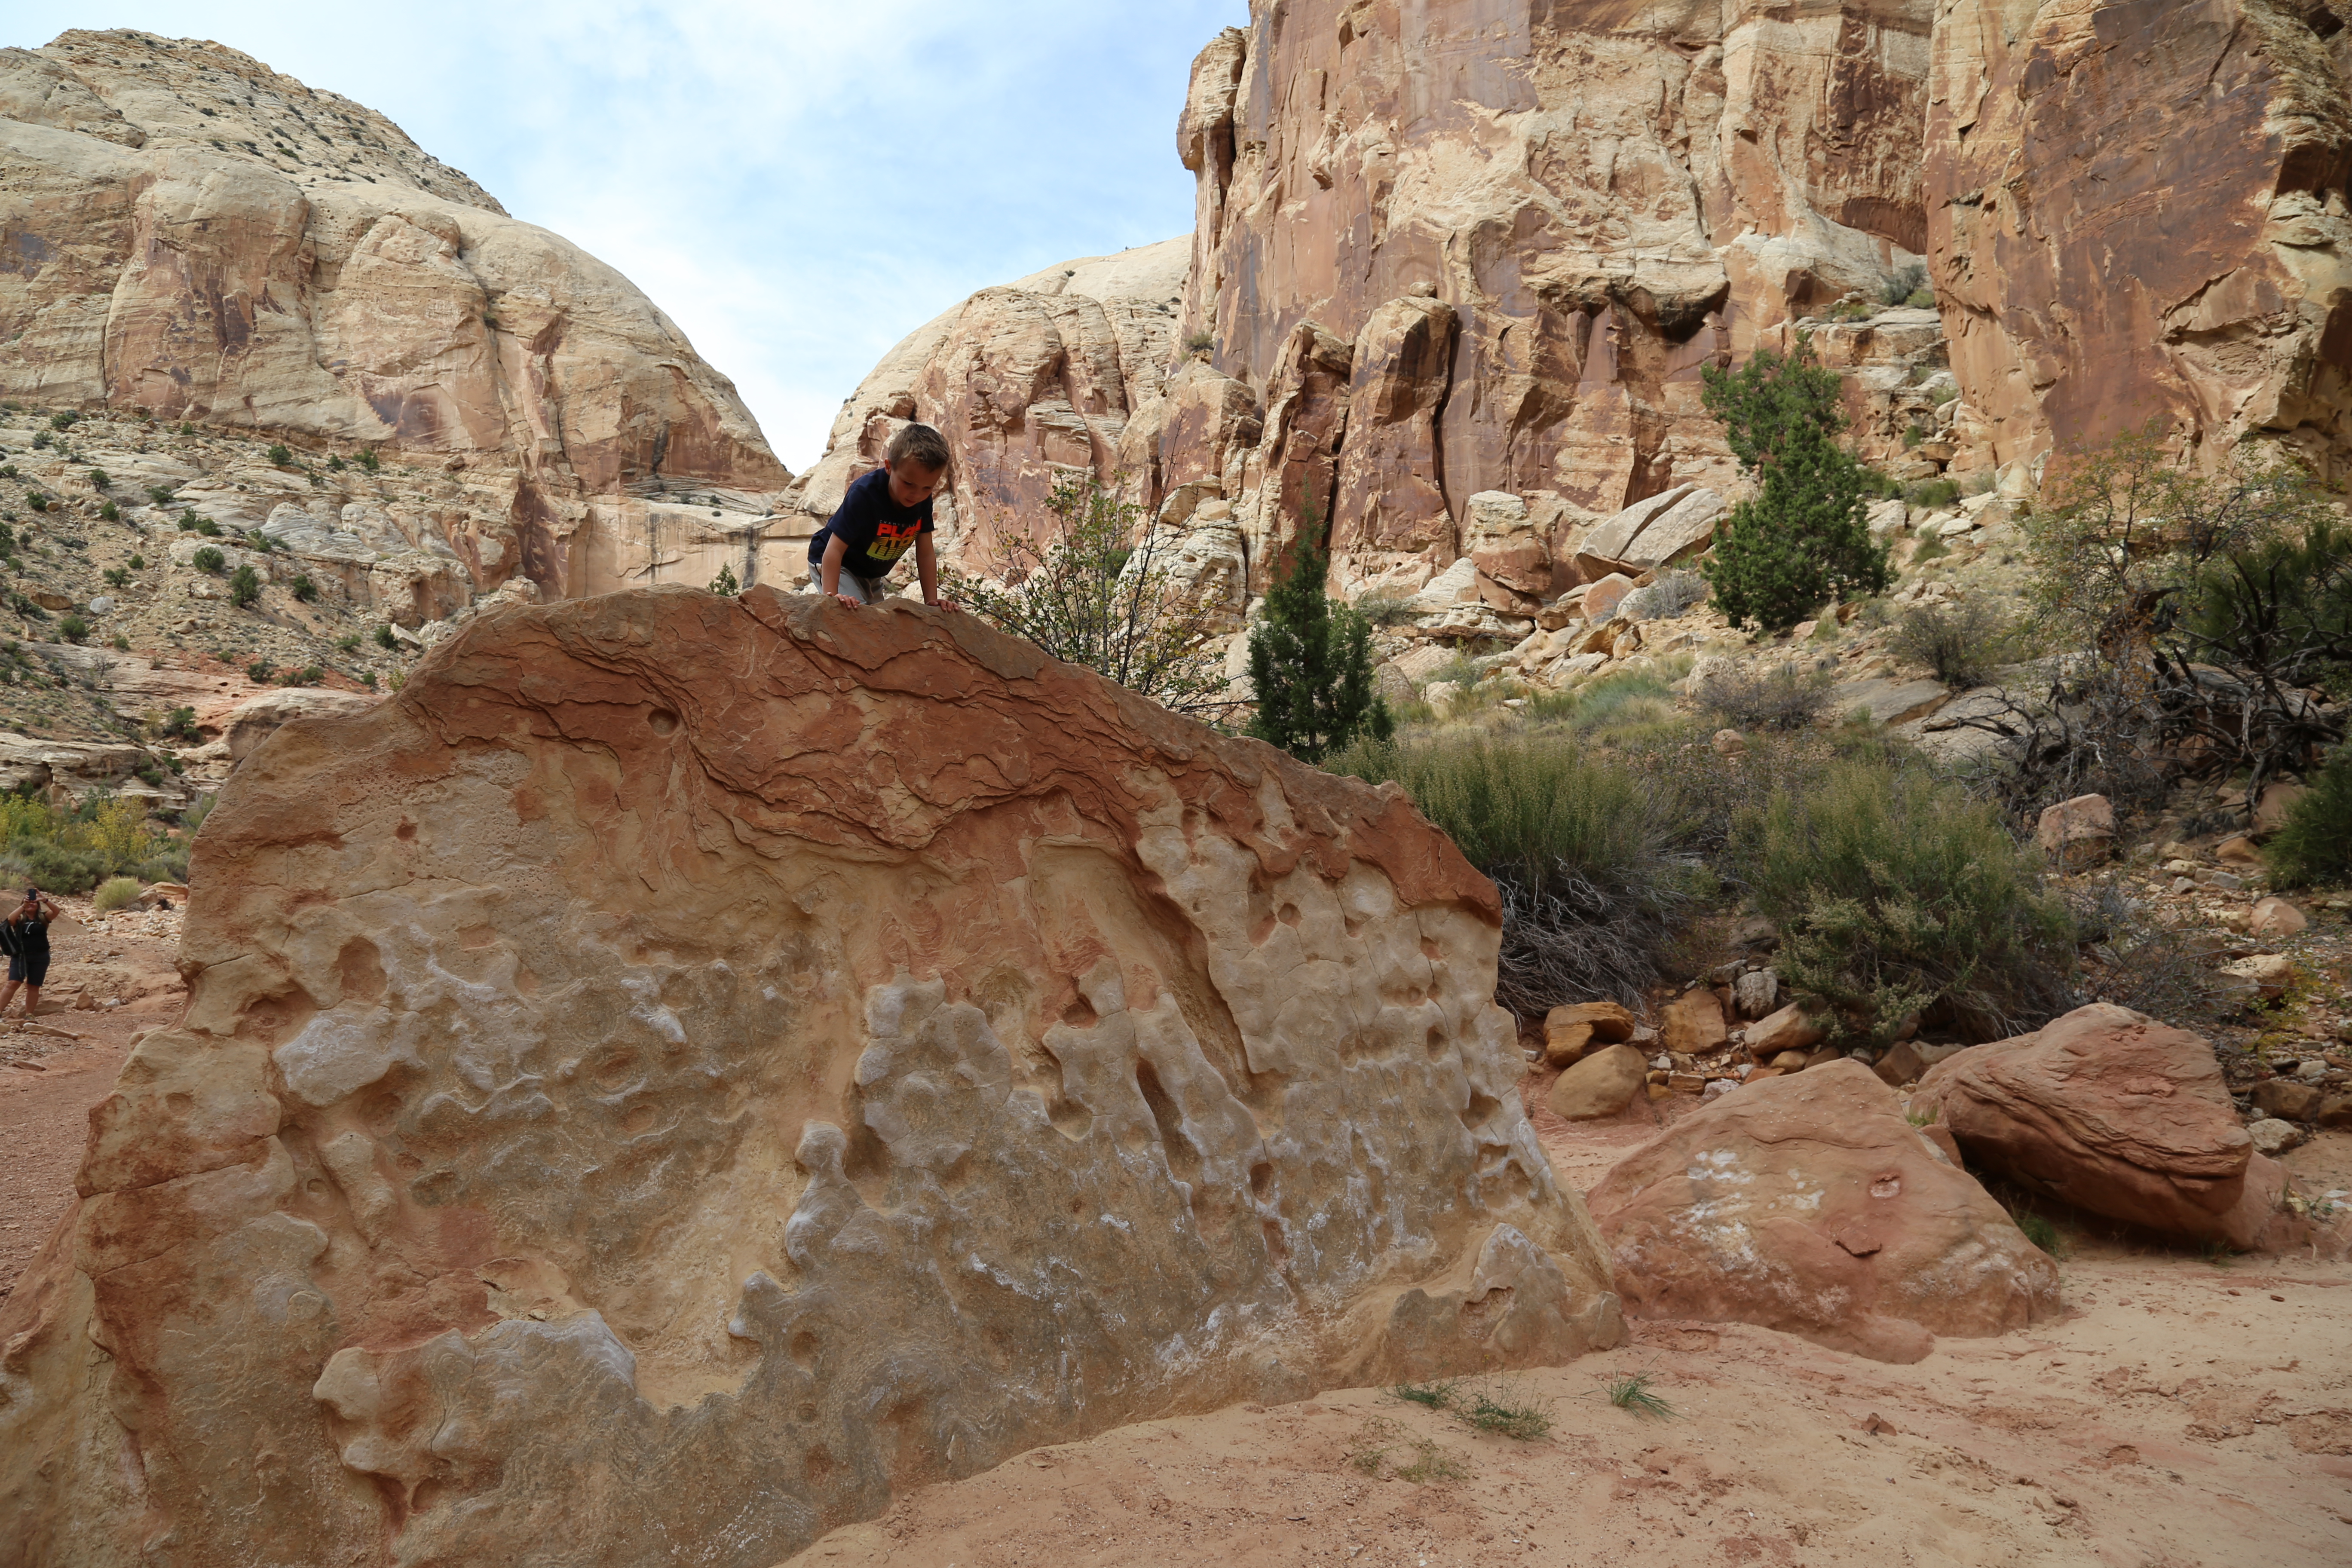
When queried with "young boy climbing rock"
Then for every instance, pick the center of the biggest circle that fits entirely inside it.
(879, 518)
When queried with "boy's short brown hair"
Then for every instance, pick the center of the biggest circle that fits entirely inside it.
(919, 444)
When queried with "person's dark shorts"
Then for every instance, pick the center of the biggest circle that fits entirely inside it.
(33, 970)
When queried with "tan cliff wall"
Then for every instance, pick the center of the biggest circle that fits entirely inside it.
(187, 232)
(2139, 212)
(1451, 248)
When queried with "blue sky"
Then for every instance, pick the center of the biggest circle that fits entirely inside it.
(797, 184)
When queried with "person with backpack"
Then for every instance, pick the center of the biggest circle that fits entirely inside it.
(25, 938)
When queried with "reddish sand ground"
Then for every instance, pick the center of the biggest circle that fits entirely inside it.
(2181, 1413)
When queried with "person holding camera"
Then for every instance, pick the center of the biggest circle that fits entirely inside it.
(25, 938)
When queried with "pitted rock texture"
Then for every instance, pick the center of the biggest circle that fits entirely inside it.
(686, 1069)
(192, 234)
(2111, 1111)
(2137, 212)
(1809, 1205)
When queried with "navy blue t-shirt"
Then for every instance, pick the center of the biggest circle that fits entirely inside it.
(876, 530)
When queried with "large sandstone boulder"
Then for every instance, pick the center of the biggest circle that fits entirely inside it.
(686, 1069)
(2109, 1110)
(1809, 1205)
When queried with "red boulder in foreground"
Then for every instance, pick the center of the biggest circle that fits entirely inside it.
(1810, 1206)
(2114, 1112)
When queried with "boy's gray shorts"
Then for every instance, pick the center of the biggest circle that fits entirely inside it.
(864, 590)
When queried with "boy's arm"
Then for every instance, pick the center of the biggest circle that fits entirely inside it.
(829, 570)
(926, 567)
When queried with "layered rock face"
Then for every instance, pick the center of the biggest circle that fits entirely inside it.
(1535, 223)
(687, 1067)
(191, 234)
(2137, 212)
(1484, 247)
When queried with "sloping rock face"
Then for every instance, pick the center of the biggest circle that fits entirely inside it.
(192, 234)
(2137, 212)
(1809, 1205)
(685, 1069)
(2114, 1112)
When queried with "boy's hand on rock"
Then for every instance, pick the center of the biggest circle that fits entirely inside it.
(846, 599)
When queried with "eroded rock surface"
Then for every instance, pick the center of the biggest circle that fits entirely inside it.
(685, 1069)
(1809, 1205)
(2137, 212)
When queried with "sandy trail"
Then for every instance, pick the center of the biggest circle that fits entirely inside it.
(2181, 1414)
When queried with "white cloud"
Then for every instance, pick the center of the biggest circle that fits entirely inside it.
(798, 184)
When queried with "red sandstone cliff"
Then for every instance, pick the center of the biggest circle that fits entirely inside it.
(1478, 245)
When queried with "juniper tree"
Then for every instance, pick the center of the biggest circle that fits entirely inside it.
(1311, 666)
(1801, 540)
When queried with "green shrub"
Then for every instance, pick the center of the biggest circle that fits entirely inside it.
(37, 501)
(244, 587)
(348, 643)
(208, 528)
(64, 421)
(260, 671)
(139, 564)
(385, 638)
(1311, 666)
(1898, 286)
(1962, 643)
(280, 457)
(1385, 609)
(73, 629)
(304, 590)
(114, 893)
(180, 725)
(1931, 547)
(70, 850)
(116, 577)
(309, 675)
(160, 494)
(369, 460)
(110, 512)
(188, 521)
(724, 584)
(2315, 843)
(1584, 852)
(186, 428)
(1801, 540)
(1932, 495)
(335, 464)
(1201, 343)
(121, 642)
(1895, 894)
(1922, 299)
(1093, 587)
(99, 479)
(208, 559)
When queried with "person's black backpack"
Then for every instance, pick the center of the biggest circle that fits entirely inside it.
(11, 944)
